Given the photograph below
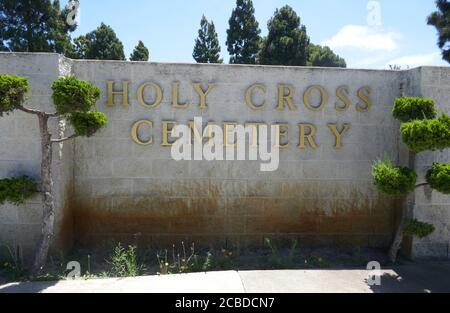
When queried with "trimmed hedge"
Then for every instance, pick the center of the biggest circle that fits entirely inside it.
(393, 181)
(426, 135)
(439, 178)
(17, 190)
(414, 108)
(87, 123)
(418, 229)
(73, 95)
(13, 90)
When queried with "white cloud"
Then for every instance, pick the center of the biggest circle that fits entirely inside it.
(411, 61)
(363, 38)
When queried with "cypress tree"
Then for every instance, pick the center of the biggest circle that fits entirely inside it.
(100, 44)
(287, 42)
(140, 53)
(243, 38)
(207, 47)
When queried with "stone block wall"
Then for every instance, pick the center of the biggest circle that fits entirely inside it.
(110, 188)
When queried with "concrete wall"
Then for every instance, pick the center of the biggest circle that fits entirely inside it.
(432, 206)
(320, 197)
(120, 190)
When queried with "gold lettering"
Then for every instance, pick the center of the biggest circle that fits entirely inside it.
(342, 93)
(286, 98)
(167, 127)
(135, 132)
(227, 127)
(198, 133)
(249, 94)
(282, 135)
(203, 94)
(338, 135)
(364, 96)
(176, 96)
(112, 94)
(323, 97)
(309, 136)
(158, 97)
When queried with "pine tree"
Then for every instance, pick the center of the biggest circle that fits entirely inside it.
(287, 41)
(324, 57)
(207, 47)
(140, 53)
(100, 44)
(441, 20)
(34, 26)
(243, 38)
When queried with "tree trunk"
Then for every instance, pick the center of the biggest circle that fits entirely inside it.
(407, 213)
(47, 197)
(396, 244)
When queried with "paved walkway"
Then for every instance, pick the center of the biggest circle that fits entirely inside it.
(423, 277)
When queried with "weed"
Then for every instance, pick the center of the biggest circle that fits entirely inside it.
(124, 262)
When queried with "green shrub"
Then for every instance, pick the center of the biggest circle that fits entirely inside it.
(12, 92)
(418, 229)
(16, 190)
(439, 178)
(427, 134)
(394, 181)
(124, 262)
(87, 123)
(410, 109)
(74, 95)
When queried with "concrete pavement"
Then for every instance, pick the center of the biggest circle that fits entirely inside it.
(426, 277)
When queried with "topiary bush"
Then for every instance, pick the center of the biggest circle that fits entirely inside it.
(418, 229)
(414, 108)
(17, 190)
(13, 90)
(73, 95)
(393, 181)
(87, 123)
(439, 178)
(426, 135)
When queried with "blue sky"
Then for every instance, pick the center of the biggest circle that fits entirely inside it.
(353, 28)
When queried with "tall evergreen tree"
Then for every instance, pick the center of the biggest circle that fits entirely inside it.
(140, 53)
(207, 47)
(243, 38)
(34, 26)
(441, 20)
(324, 57)
(100, 44)
(287, 42)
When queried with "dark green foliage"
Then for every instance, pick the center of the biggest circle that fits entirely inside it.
(207, 47)
(87, 123)
(324, 57)
(75, 98)
(393, 181)
(426, 135)
(16, 190)
(100, 44)
(140, 53)
(418, 229)
(441, 20)
(73, 95)
(439, 178)
(287, 42)
(34, 26)
(414, 108)
(12, 92)
(243, 38)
